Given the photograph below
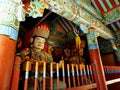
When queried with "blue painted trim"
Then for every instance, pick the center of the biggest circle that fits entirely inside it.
(77, 73)
(118, 59)
(68, 73)
(81, 72)
(84, 72)
(112, 41)
(44, 74)
(57, 74)
(11, 32)
(73, 73)
(93, 46)
(36, 74)
(111, 71)
(83, 28)
(51, 74)
(26, 75)
(90, 72)
(63, 73)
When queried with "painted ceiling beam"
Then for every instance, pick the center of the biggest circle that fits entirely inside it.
(110, 9)
(69, 10)
(73, 12)
(63, 25)
(112, 16)
(115, 26)
(86, 5)
(105, 6)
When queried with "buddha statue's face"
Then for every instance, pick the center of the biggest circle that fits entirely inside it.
(39, 43)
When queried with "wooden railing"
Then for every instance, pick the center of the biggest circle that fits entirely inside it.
(112, 74)
(65, 76)
(73, 75)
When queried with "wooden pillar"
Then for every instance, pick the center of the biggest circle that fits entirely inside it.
(10, 13)
(16, 73)
(96, 60)
(7, 53)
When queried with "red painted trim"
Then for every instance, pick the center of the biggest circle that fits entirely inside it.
(74, 82)
(111, 9)
(64, 82)
(51, 83)
(26, 84)
(58, 83)
(78, 80)
(26, 6)
(113, 3)
(99, 6)
(44, 83)
(35, 83)
(106, 5)
(69, 82)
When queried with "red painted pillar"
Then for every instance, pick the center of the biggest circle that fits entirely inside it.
(96, 60)
(7, 54)
(11, 12)
(16, 74)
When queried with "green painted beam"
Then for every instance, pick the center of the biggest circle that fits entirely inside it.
(112, 16)
(117, 2)
(109, 4)
(68, 9)
(71, 11)
(103, 6)
(95, 5)
(86, 5)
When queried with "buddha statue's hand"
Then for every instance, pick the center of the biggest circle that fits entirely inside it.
(25, 51)
(25, 54)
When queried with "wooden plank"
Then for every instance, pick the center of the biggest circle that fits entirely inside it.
(113, 81)
(85, 87)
